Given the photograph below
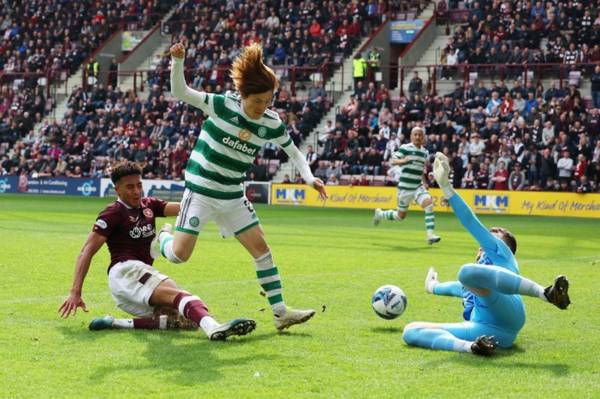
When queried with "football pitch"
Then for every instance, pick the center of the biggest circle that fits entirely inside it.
(331, 260)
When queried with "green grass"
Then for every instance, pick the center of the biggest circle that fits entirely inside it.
(330, 260)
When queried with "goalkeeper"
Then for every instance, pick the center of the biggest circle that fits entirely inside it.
(491, 288)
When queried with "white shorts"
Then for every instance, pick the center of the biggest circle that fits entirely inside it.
(233, 216)
(405, 197)
(131, 284)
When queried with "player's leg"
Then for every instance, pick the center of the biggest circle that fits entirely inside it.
(479, 278)
(404, 197)
(139, 288)
(267, 273)
(425, 201)
(138, 323)
(167, 294)
(434, 286)
(455, 337)
(195, 213)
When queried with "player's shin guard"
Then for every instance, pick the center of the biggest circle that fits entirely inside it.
(166, 248)
(498, 279)
(429, 220)
(269, 280)
(435, 338)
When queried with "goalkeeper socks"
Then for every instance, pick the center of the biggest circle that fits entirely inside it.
(429, 220)
(391, 214)
(269, 280)
(449, 288)
(166, 247)
(500, 280)
(435, 338)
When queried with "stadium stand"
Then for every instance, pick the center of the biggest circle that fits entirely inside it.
(501, 127)
(105, 124)
(517, 136)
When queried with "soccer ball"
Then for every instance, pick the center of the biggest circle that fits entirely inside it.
(389, 302)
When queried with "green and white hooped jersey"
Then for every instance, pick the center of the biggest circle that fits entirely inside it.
(228, 144)
(411, 173)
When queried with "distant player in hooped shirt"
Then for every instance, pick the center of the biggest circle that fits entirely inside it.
(127, 226)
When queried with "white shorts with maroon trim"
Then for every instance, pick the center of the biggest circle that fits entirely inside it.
(131, 284)
(233, 216)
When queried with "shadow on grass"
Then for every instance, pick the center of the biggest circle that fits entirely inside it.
(185, 358)
(509, 359)
(392, 247)
(388, 330)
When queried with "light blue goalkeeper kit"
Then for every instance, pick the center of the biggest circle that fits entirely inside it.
(501, 313)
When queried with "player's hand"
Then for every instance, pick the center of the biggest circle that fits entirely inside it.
(320, 187)
(71, 304)
(177, 50)
(441, 170)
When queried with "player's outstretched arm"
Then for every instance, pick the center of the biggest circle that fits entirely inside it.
(74, 300)
(172, 209)
(441, 171)
(179, 89)
(300, 162)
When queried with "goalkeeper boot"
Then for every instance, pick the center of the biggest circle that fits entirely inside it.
(431, 280)
(155, 244)
(558, 293)
(240, 326)
(101, 323)
(291, 317)
(484, 345)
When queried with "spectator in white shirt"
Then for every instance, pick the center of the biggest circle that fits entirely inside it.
(565, 166)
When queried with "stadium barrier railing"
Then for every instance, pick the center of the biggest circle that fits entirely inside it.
(296, 78)
(565, 75)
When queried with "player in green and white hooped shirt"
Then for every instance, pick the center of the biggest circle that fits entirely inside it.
(234, 131)
(411, 158)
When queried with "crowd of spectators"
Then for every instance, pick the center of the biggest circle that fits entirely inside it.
(103, 124)
(41, 39)
(306, 35)
(514, 33)
(499, 137)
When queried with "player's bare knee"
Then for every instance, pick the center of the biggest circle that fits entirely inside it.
(426, 203)
(401, 214)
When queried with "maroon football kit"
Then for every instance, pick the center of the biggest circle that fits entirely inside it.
(129, 231)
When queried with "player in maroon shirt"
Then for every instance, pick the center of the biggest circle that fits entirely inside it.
(127, 226)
